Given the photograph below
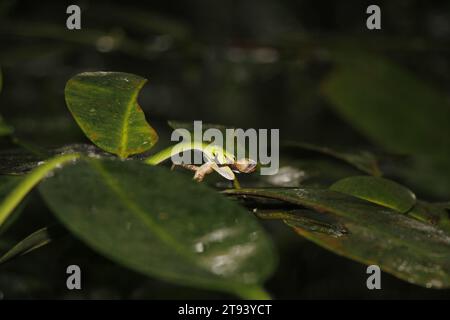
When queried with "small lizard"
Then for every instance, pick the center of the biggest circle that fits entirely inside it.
(217, 159)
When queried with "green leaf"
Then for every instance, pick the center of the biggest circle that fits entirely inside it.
(34, 241)
(362, 160)
(104, 104)
(384, 192)
(306, 219)
(389, 104)
(19, 188)
(162, 224)
(414, 251)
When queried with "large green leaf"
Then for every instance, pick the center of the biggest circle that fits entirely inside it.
(162, 224)
(407, 248)
(104, 104)
(381, 191)
(398, 111)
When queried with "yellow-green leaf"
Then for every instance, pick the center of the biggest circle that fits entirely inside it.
(104, 104)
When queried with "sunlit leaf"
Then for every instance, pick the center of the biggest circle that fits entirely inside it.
(162, 224)
(414, 251)
(104, 104)
(384, 192)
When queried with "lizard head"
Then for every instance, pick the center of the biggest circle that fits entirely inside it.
(245, 165)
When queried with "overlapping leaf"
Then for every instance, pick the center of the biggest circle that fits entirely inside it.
(407, 248)
(162, 224)
(384, 192)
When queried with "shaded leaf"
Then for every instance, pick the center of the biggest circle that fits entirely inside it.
(365, 161)
(432, 213)
(104, 104)
(297, 171)
(389, 104)
(384, 192)
(414, 251)
(34, 241)
(306, 219)
(18, 161)
(21, 161)
(162, 224)
(17, 189)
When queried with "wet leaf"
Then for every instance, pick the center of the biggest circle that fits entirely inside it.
(104, 104)
(162, 224)
(414, 251)
(34, 241)
(384, 192)
(365, 161)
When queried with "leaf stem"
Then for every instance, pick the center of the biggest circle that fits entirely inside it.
(29, 182)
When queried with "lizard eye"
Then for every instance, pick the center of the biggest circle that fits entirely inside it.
(246, 165)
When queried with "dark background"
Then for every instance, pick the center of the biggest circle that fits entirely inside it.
(253, 63)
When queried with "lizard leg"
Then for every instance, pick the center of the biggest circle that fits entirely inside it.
(203, 170)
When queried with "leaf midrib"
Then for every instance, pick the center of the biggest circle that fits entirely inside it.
(126, 118)
(114, 186)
